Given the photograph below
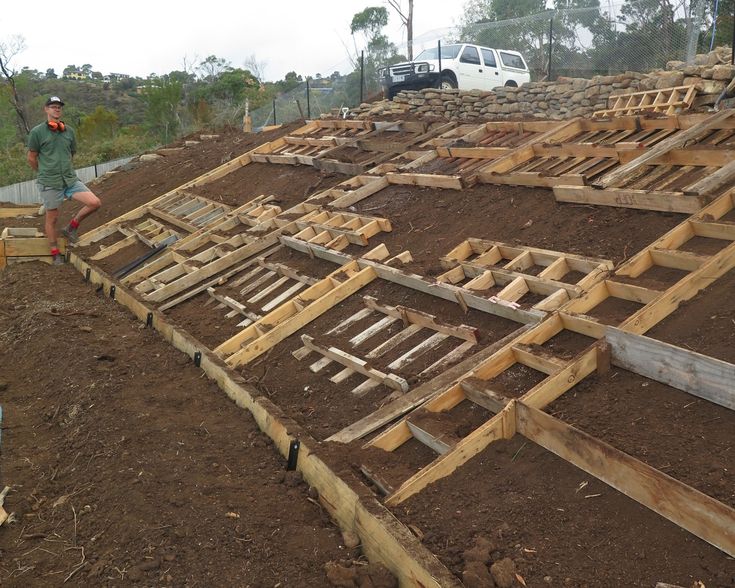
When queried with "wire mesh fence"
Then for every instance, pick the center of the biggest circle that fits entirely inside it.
(614, 37)
(309, 100)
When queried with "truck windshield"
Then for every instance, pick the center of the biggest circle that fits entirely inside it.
(448, 52)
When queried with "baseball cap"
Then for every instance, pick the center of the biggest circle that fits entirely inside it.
(54, 100)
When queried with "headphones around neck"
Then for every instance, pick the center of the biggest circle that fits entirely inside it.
(58, 127)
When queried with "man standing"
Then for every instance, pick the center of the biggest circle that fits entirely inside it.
(51, 146)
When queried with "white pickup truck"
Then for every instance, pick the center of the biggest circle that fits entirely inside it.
(463, 66)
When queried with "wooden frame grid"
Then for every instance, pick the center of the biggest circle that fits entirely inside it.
(666, 101)
(454, 161)
(643, 153)
(376, 343)
(491, 264)
(639, 162)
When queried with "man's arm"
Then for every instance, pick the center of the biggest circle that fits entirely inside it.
(33, 159)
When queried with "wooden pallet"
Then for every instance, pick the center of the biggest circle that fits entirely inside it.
(452, 160)
(349, 192)
(292, 315)
(643, 159)
(347, 147)
(667, 101)
(480, 265)
(260, 287)
(378, 340)
(310, 141)
(205, 254)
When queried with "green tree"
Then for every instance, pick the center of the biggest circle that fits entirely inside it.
(163, 99)
(212, 67)
(379, 51)
(101, 124)
(8, 51)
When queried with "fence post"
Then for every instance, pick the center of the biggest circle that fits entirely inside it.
(308, 100)
(551, 44)
(275, 122)
(439, 55)
(362, 75)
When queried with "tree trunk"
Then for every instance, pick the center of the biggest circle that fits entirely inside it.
(15, 101)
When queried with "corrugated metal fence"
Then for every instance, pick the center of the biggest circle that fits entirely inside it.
(27, 192)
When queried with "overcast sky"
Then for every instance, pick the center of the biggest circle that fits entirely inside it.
(142, 37)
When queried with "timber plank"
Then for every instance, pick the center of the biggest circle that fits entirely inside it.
(688, 508)
(626, 198)
(697, 374)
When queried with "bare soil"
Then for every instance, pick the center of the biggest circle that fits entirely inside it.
(120, 472)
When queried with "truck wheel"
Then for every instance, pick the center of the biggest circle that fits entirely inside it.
(447, 83)
(511, 84)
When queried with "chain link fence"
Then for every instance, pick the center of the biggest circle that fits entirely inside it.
(309, 100)
(614, 37)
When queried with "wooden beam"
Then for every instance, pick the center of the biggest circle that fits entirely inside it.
(688, 508)
(477, 391)
(501, 426)
(711, 183)
(623, 198)
(30, 246)
(697, 374)
(416, 317)
(14, 211)
(473, 152)
(429, 180)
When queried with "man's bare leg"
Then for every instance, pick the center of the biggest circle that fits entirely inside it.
(50, 226)
(91, 204)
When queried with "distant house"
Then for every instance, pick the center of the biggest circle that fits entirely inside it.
(76, 76)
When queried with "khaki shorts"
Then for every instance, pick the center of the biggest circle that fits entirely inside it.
(54, 197)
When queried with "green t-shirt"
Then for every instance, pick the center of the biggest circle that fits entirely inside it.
(55, 151)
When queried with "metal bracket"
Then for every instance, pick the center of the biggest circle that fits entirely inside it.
(149, 320)
(293, 455)
(198, 358)
(112, 291)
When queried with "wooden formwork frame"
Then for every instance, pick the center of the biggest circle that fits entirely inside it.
(26, 244)
(707, 517)
(383, 538)
(635, 165)
(491, 263)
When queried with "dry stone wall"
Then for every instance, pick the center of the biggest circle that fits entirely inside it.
(562, 98)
